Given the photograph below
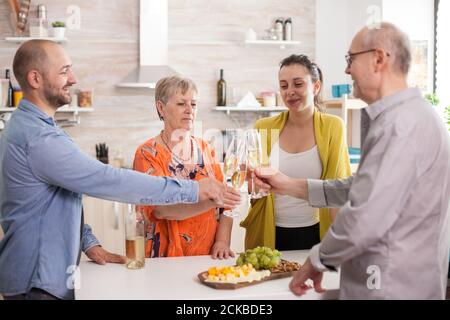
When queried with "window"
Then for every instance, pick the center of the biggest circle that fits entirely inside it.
(443, 53)
(416, 18)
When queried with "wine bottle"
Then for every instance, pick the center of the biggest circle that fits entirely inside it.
(221, 90)
(10, 89)
(135, 237)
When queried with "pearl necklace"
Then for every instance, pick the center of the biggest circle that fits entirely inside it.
(173, 153)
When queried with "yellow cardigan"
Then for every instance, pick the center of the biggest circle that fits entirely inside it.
(331, 143)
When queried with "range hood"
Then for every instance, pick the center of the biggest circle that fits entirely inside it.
(153, 46)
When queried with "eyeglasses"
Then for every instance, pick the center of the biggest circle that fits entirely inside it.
(349, 56)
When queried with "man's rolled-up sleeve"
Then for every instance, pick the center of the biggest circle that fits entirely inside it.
(56, 160)
(328, 193)
(88, 240)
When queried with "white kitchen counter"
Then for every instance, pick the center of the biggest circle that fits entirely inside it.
(176, 279)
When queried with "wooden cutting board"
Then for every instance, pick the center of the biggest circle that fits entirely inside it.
(232, 286)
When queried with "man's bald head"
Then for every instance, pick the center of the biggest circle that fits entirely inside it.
(390, 38)
(32, 55)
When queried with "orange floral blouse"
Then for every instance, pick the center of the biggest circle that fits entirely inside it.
(189, 237)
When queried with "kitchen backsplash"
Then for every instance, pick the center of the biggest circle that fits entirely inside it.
(204, 36)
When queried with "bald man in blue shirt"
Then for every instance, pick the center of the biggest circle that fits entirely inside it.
(43, 175)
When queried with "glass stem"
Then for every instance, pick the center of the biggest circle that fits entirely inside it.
(253, 185)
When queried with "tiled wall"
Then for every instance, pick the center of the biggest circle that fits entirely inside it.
(106, 49)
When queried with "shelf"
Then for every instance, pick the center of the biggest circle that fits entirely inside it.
(75, 120)
(62, 109)
(145, 85)
(229, 109)
(24, 39)
(281, 43)
(350, 104)
(76, 110)
(202, 43)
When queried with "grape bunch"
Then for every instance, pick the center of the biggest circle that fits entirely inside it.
(260, 257)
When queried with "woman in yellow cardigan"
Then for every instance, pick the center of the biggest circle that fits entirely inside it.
(303, 142)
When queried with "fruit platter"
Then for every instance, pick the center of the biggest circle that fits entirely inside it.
(252, 267)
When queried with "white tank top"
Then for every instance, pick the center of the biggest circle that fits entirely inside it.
(292, 212)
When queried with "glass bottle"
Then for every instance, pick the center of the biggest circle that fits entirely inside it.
(17, 96)
(221, 90)
(279, 29)
(10, 89)
(118, 160)
(43, 23)
(135, 237)
(288, 29)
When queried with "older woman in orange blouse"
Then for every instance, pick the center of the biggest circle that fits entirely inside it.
(182, 230)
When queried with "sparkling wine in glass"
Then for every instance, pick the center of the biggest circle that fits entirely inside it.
(254, 158)
(235, 168)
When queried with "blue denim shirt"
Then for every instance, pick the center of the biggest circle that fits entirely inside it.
(43, 175)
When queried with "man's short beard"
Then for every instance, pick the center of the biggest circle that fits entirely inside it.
(54, 98)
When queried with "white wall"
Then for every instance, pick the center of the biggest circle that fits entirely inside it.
(331, 42)
(336, 24)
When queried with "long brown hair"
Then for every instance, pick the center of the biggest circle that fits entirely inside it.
(314, 71)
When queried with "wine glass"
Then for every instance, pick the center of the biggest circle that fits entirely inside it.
(235, 167)
(254, 158)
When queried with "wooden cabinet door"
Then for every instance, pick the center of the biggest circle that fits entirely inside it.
(238, 233)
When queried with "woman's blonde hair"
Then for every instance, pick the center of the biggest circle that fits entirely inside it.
(167, 87)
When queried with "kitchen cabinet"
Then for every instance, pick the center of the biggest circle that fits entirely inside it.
(238, 233)
(346, 107)
(107, 220)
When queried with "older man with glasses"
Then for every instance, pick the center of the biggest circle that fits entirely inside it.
(391, 235)
(349, 56)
